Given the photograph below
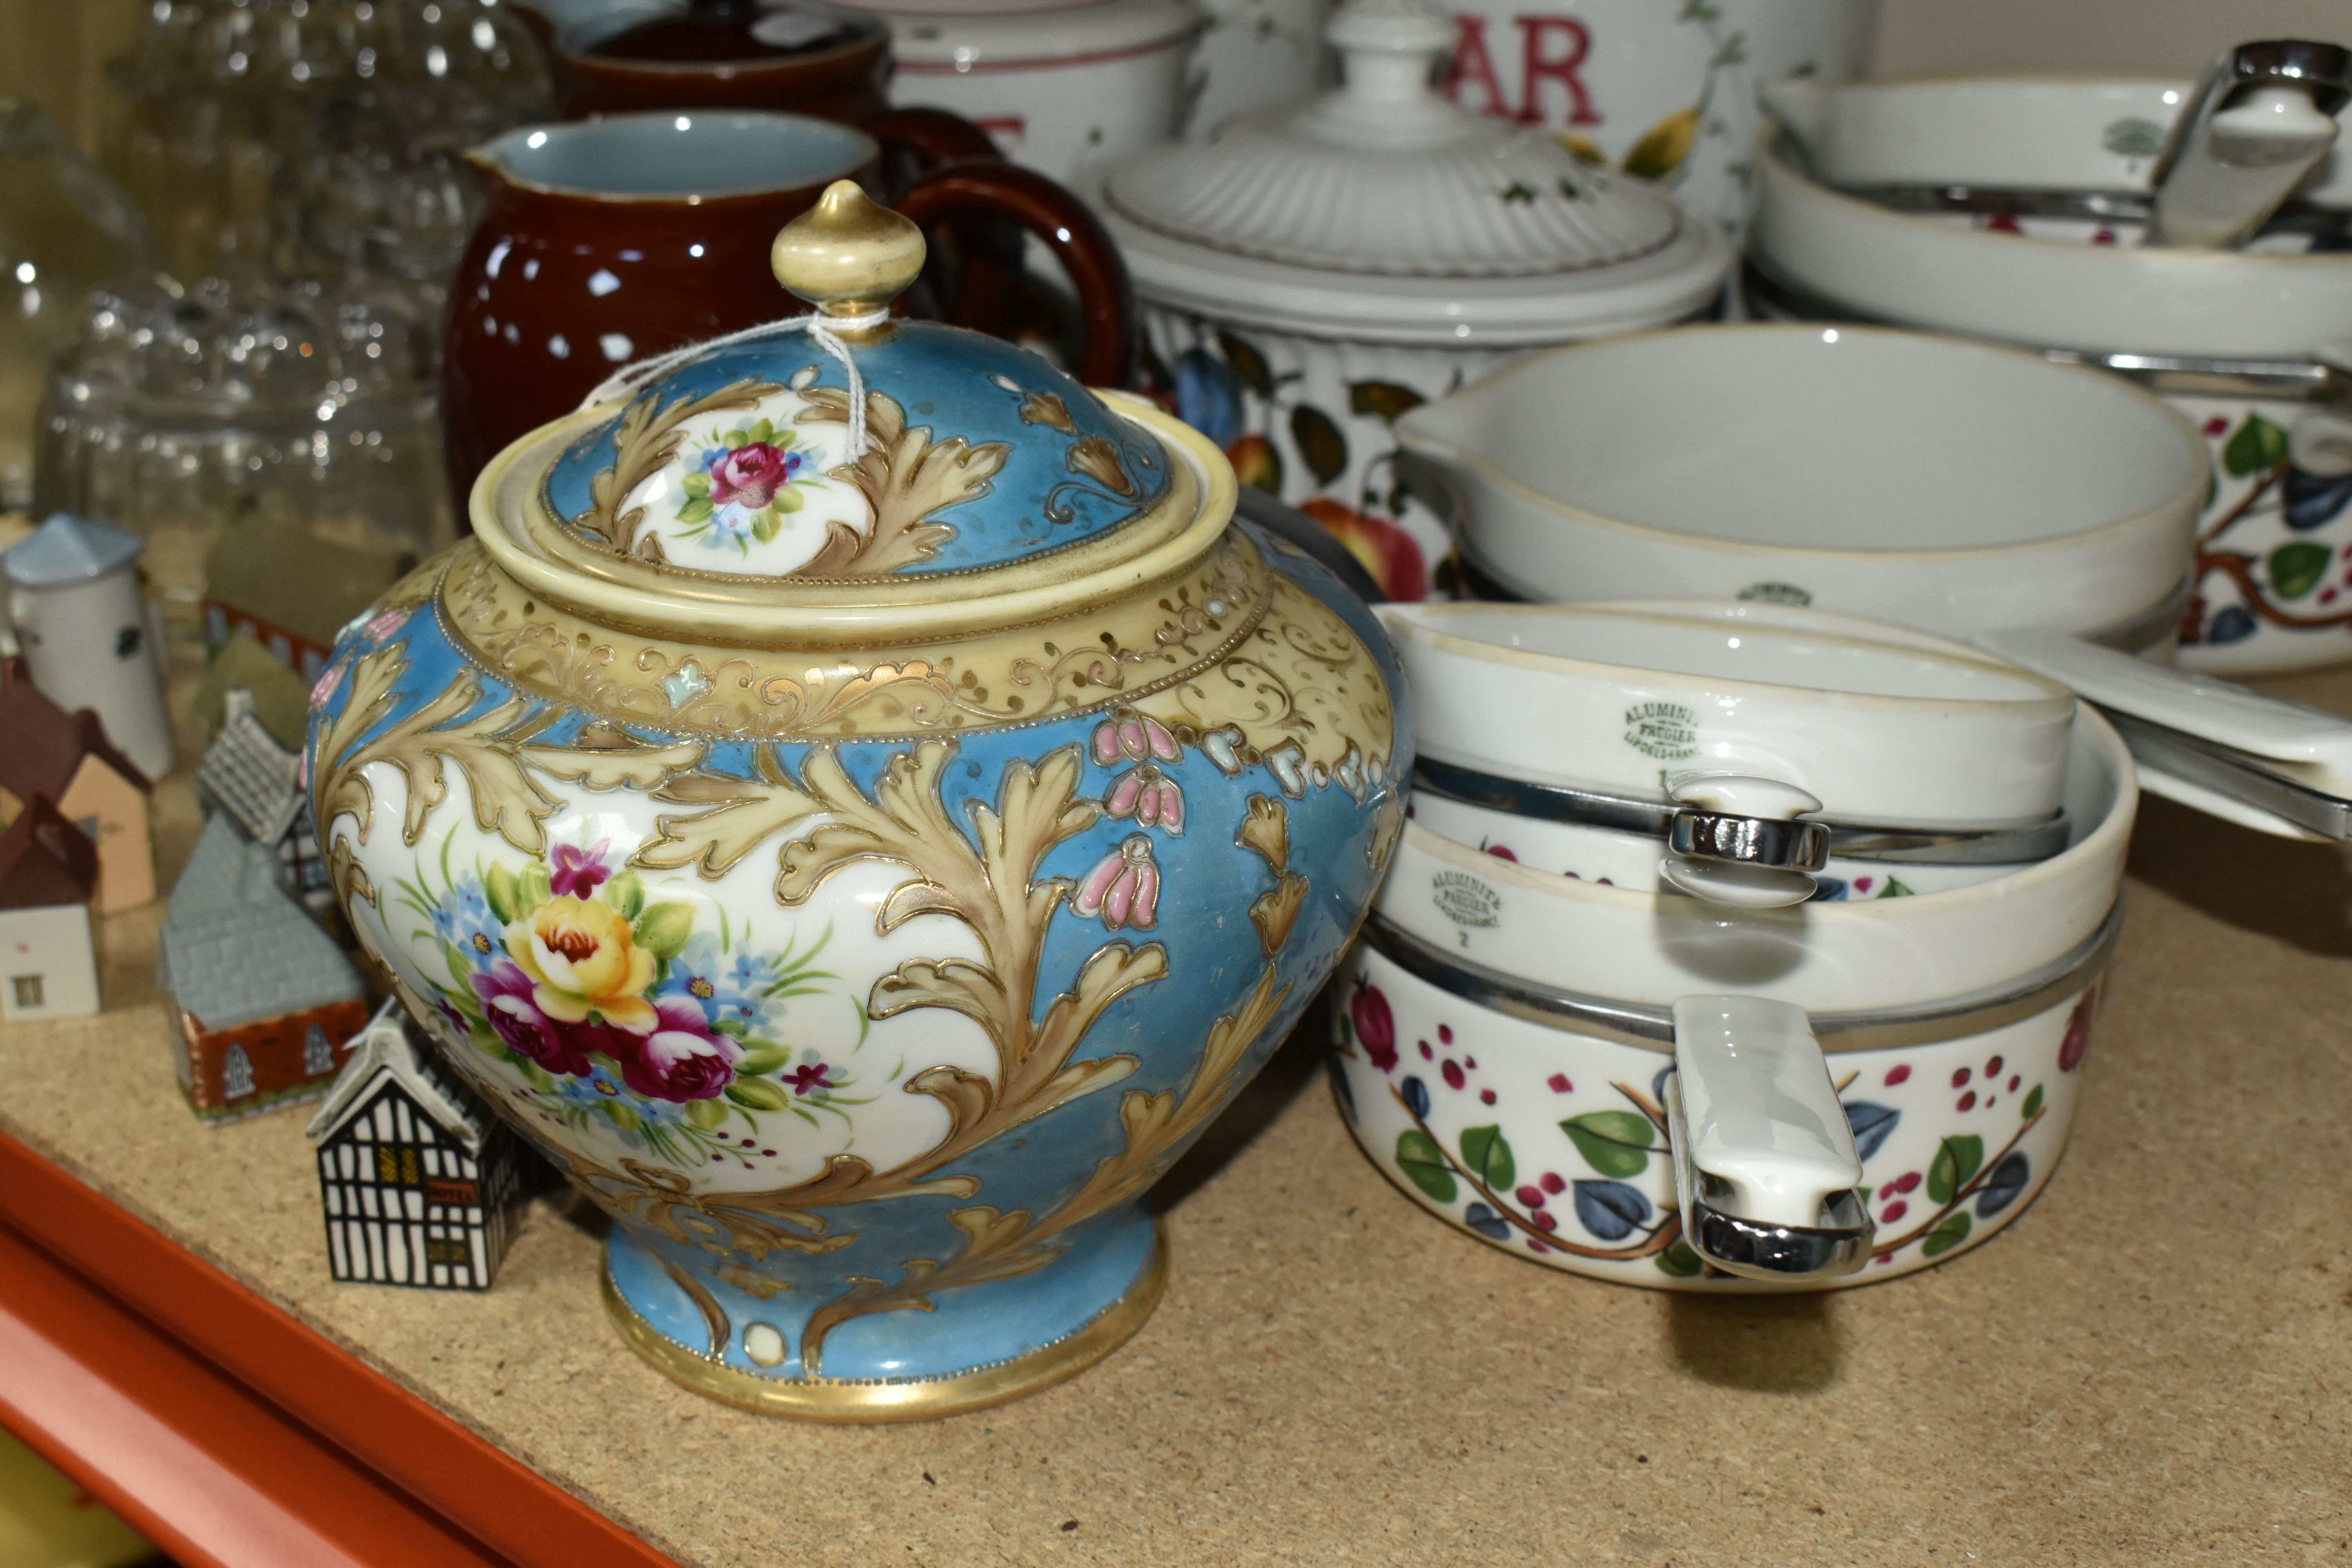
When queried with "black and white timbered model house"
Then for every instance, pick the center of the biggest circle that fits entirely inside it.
(421, 1183)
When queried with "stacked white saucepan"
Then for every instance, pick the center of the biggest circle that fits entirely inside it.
(1731, 946)
(1749, 927)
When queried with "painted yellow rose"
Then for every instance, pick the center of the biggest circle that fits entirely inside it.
(580, 956)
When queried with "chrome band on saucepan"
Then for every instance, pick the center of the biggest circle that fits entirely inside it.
(1758, 1249)
(2312, 381)
(1785, 844)
(1652, 1025)
(2232, 774)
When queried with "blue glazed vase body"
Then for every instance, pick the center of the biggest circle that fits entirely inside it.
(863, 869)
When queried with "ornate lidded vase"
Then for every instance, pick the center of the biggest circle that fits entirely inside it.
(862, 853)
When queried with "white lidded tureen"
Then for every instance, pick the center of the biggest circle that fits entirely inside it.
(1310, 274)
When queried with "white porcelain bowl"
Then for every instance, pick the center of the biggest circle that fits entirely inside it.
(1947, 486)
(2024, 133)
(1651, 947)
(1640, 700)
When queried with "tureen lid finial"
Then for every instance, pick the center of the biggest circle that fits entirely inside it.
(848, 256)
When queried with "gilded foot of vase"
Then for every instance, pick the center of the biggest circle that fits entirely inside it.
(977, 1346)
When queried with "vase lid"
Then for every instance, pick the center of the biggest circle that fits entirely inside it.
(732, 489)
(1386, 176)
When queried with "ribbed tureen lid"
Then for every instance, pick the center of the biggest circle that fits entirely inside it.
(1384, 177)
(739, 463)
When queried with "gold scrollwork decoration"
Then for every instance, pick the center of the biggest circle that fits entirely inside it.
(486, 748)
(645, 439)
(905, 476)
(998, 1245)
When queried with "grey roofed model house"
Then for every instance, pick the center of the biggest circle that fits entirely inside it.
(256, 782)
(236, 947)
(388, 1046)
(249, 775)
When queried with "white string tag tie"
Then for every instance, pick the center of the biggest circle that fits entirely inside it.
(822, 330)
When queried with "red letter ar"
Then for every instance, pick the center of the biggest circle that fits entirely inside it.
(1562, 66)
(1473, 64)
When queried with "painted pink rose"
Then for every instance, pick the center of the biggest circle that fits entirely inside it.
(680, 1058)
(506, 1001)
(750, 476)
(1368, 1009)
(1123, 888)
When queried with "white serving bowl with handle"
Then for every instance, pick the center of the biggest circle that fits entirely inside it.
(1550, 1135)
(1722, 1046)
(2035, 510)
(1651, 946)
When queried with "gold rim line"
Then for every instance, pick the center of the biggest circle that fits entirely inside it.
(869, 1403)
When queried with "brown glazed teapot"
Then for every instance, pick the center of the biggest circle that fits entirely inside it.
(609, 239)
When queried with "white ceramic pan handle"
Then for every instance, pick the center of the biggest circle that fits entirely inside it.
(1764, 1157)
(2259, 761)
(2260, 119)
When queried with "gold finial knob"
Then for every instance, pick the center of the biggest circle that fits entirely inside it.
(848, 255)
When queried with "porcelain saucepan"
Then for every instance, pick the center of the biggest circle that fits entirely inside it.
(1726, 739)
(1637, 1086)
(1630, 859)
(2032, 509)
(2019, 209)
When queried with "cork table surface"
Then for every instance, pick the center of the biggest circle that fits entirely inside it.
(2155, 1361)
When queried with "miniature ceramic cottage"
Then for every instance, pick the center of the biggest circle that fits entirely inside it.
(291, 590)
(418, 1180)
(47, 871)
(281, 698)
(861, 807)
(255, 782)
(67, 759)
(262, 998)
(75, 603)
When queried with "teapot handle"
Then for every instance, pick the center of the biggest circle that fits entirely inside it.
(1068, 227)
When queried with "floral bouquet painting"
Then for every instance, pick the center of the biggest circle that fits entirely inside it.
(746, 480)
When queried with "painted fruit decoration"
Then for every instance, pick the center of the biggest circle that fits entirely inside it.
(864, 859)
(1235, 397)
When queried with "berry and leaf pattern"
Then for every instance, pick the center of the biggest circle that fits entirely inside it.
(2290, 579)
(1590, 1207)
(1227, 388)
